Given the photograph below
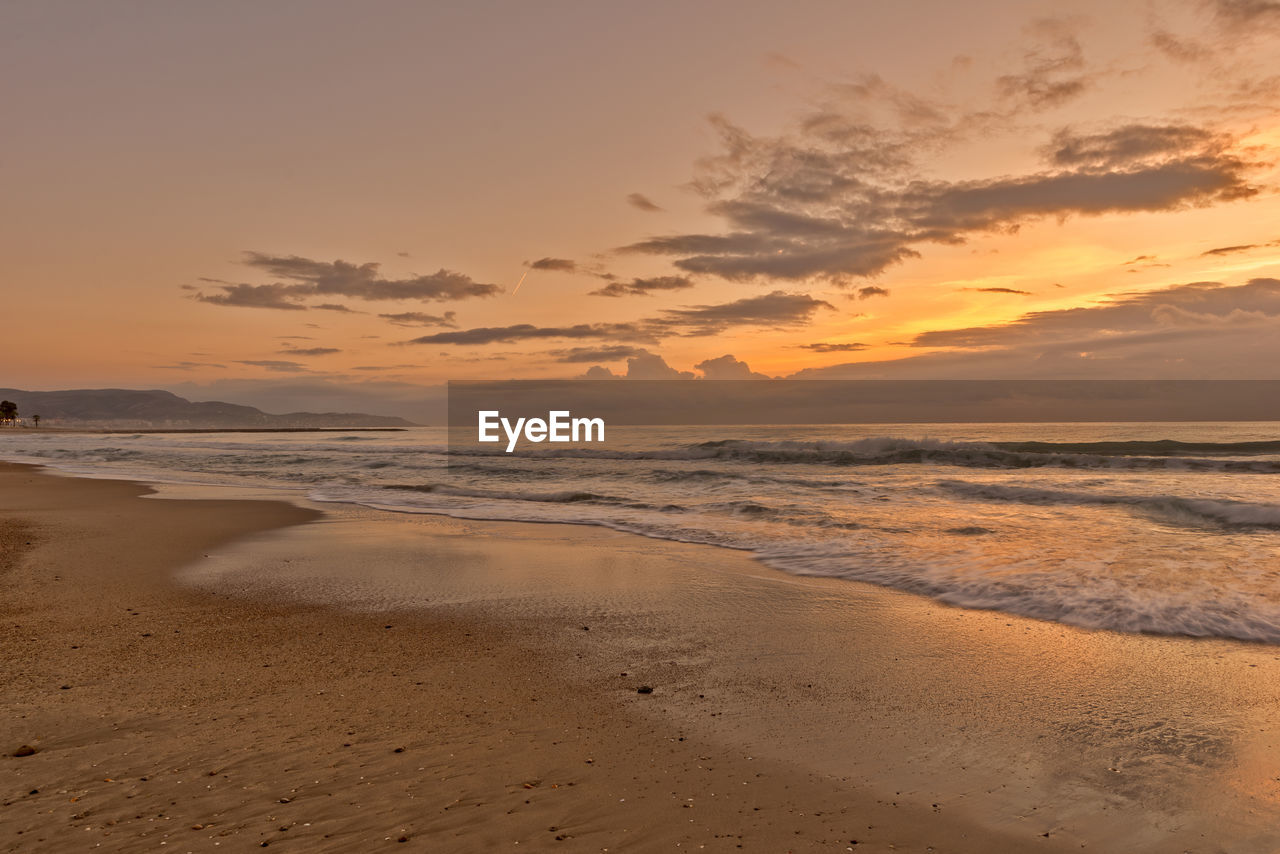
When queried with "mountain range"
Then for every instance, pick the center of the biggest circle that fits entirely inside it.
(154, 408)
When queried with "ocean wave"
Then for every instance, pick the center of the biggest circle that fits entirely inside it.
(567, 496)
(1151, 448)
(1077, 596)
(882, 451)
(1087, 600)
(1170, 508)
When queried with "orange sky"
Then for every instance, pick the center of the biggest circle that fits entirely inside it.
(1030, 147)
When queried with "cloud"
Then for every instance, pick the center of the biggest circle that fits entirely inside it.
(333, 306)
(304, 278)
(1121, 315)
(273, 365)
(642, 202)
(823, 347)
(1052, 70)
(1231, 250)
(418, 318)
(612, 353)
(728, 368)
(651, 366)
(1129, 144)
(644, 287)
(1228, 250)
(559, 265)
(1202, 330)
(1247, 13)
(254, 296)
(872, 291)
(844, 197)
(998, 291)
(774, 310)
(529, 332)
(643, 366)
(774, 59)
(311, 351)
(189, 366)
(1141, 262)
(1177, 48)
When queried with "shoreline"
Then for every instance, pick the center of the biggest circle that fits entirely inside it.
(95, 431)
(198, 718)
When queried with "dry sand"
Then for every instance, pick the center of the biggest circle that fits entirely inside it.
(172, 717)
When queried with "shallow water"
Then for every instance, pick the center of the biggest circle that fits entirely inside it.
(1162, 528)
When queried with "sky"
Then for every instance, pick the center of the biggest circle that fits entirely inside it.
(328, 205)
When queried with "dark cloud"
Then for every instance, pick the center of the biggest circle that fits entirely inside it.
(774, 310)
(1229, 250)
(843, 198)
(295, 338)
(1141, 262)
(1053, 70)
(254, 296)
(1130, 144)
(612, 353)
(274, 365)
(643, 287)
(559, 265)
(529, 332)
(999, 291)
(1203, 330)
(642, 202)
(361, 281)
(1247, 13)
(1178, 48)
(872, 291)
(311, 351)
(823, 347)
(418, 318)
(338, 307)
(1243, 247)
(1199, 304)
(304, 278)
(189, 366)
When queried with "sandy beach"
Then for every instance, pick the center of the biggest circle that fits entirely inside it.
(166, 715)
(185, 678)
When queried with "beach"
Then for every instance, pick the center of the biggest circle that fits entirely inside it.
(217, 674)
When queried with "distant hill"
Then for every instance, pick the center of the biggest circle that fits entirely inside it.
(129, 408)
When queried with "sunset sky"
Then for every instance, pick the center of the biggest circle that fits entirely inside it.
(328, 204)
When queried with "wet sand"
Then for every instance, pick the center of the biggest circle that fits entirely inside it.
(164, 714)
(182, 672)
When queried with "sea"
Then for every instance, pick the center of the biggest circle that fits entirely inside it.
(1166, 528)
